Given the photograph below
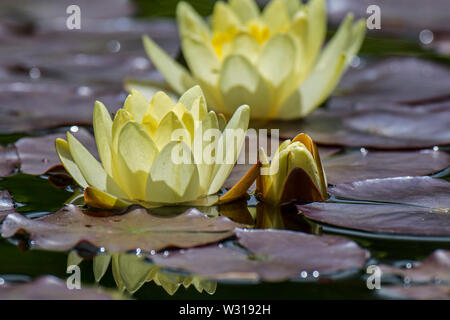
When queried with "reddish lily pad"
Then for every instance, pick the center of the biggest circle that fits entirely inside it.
(39, 105)
(429, 292)
(271, 255)
(52, 288)
(383, 219)
(396, 16)
(380, 128)
(418, 191)
(9, 160)
(428, 279)
(435, 268)
(38, 154)
(137, 228)
(6, 204)
(363, 165)
(395, 80)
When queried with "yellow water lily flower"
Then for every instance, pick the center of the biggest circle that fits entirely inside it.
(294, 174)
(271, 60)
(156, 152)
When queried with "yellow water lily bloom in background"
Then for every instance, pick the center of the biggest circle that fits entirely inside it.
(294, 174)
(139, 150)
(271, 60)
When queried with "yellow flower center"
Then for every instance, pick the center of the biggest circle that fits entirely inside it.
(222, 39)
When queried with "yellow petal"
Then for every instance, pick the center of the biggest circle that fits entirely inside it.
(222, 121)
(229, 147)
(317, 26)
(201, 59)
(239, 190)
(245, 9)
(136, 153)
(169, 126)
(276, 16)
(91, 169)
(102, 131)
(99, 199)
(224, 19)
(175, 74)
(245, 45)
(122, 117)
(199, 109)
(136, 104)
(280, 48)
(292, 6)
(190, 22)
(160, 105)
(172, 180)
(100, 265)
(203, 149)
(188, 98)
(62, 148)
(241, 83)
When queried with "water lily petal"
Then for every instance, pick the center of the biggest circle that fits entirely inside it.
(99, 199)
(62, 148)
(136, 104)
(236, 128)
(91, 169)
(136, 153)
(199, 109)
(245, 9)
(175, 74)
(169, 125)
(224, 18)
(239, 190)
(188, 98)
(276, 15)
(201, 59)
(292, 6)
(122, 117)
(190, 22)
(149, 88)
(241, 83)
(160, 105)
(181, 184)
(102, 131)
(317, 26)
(247, 46)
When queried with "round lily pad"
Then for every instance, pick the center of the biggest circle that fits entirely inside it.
(271, 255)
(137, 228)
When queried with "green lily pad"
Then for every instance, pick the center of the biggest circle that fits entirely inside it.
(271, 255)
(134, 229)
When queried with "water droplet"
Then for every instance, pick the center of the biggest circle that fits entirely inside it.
(406, 280)
(113, 46)
(153, 252)
(304, 274)
(166, 253)
(34, 73)
(74, 129)
(220, 245)
(435, 148)
(102, 249)
(138, 251)
(363, 151)
(84, 91)
(426, 36)
(315, 274)
(356, 62)
(408, 265)
(141, 63)
(2, 281)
